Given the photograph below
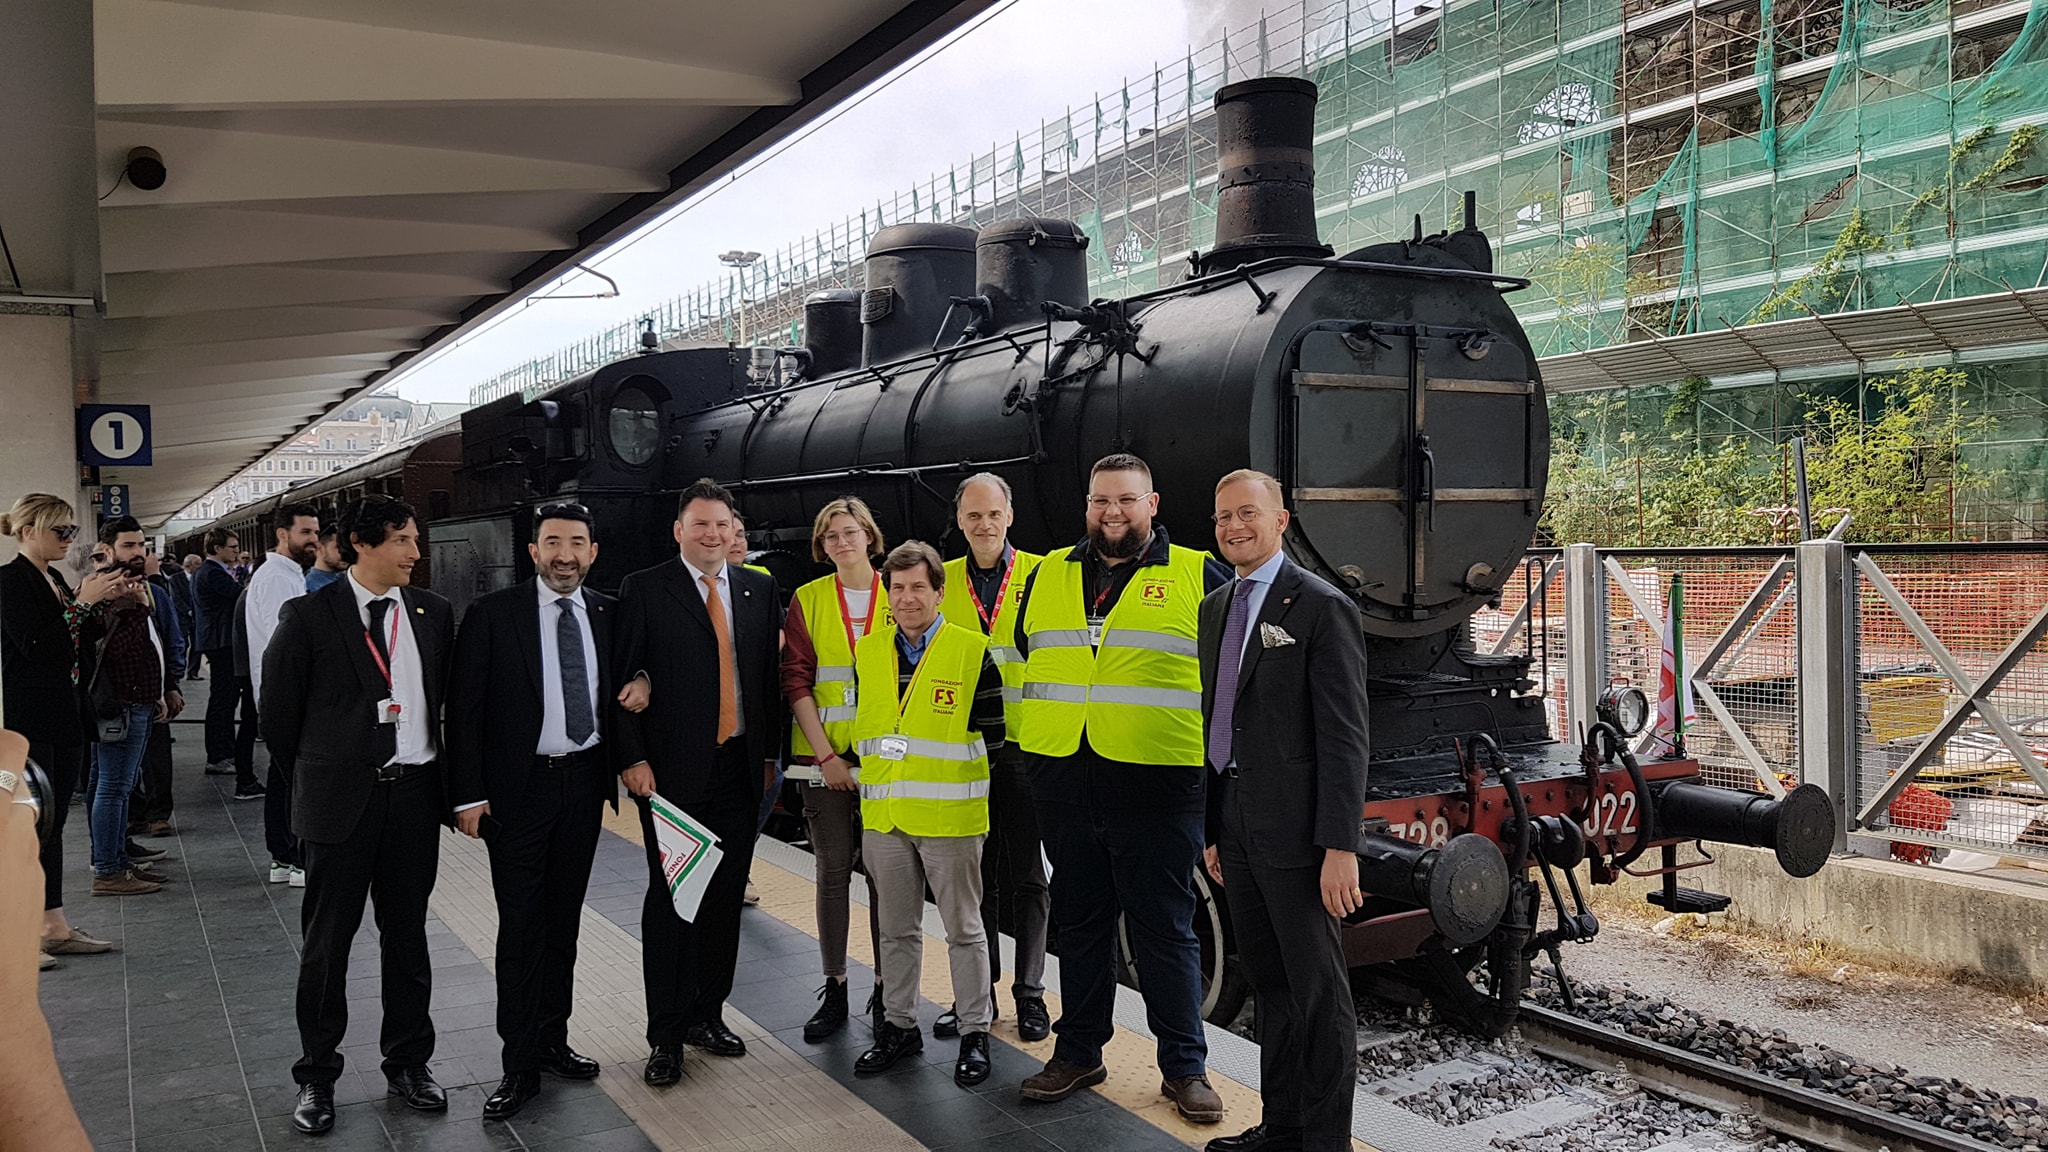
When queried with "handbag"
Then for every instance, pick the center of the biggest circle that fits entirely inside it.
(109, 712)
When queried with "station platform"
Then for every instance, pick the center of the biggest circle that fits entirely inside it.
(184, 1038)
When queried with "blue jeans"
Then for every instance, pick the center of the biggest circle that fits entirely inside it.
(117, 767)
(1124, 839)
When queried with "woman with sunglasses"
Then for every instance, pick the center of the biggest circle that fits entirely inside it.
(44, 627)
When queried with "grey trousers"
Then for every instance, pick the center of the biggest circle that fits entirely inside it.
(833, 818)
(899, 866)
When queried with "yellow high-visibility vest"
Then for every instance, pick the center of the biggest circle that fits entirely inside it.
(959, 607)
(831, 689)
(1139, 695)
(922, 771)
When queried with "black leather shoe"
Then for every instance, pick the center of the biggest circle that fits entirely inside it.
(568, 1063)
(973, 1066)
(1033, 1021)
(1258, 1138)
(664, 1066)
(315, 1113)
(415, 1085)
(714, 1037)
(891, 1044)
(512, 1094)
(831, 1014)
(947, 1025)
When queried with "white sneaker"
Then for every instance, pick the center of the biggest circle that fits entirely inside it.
(279, 873)
(298, 878)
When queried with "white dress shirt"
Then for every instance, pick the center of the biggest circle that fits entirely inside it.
(408, 676)
(1262, 579)
(275, 581)
(554, 726)
(724, 578)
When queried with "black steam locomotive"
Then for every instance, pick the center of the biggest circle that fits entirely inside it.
(1391, 390)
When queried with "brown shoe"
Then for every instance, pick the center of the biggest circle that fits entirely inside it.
(76, 944)
(1060, 1080)
(1198, 1103)
(161, 828)
(124, 884)
(145, 872)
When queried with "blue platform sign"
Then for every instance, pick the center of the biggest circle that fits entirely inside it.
(114, 501)
(113, 435)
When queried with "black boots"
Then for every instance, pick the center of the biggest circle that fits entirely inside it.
(831, 1014)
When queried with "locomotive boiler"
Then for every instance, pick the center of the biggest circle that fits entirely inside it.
(1390, 389)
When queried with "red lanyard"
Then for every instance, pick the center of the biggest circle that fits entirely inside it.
(396, 608)
(846, 614)
(990, 614)
(1096, 610)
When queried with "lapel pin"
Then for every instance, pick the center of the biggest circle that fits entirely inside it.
(419, 611)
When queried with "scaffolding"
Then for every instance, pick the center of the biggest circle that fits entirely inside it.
(1654, 168)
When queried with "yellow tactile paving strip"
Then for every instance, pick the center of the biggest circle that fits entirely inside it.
(773, 1101)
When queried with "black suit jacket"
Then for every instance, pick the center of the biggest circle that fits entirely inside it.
(214, 592)
(36, 652)
(665, 631)
(1300, 741)
(320, 692)
(496, 701)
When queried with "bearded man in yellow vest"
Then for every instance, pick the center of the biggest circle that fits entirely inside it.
(983, 589)
(929, 711)
(1111, 728)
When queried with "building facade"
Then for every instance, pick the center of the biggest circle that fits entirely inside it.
(354, 433)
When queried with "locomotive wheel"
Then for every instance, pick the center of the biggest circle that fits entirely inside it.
(1224, 987)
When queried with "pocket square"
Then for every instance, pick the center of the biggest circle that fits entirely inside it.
(1274, 636)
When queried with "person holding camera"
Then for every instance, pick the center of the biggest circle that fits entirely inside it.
(42, 624)
(131, 673)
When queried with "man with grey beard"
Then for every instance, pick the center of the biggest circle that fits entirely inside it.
(530, 773)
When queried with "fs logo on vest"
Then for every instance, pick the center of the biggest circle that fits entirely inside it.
(945, 697)
(1152, 591)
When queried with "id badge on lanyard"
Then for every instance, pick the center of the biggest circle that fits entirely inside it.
(389, 710)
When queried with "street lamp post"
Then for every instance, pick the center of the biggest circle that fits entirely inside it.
(742, 261)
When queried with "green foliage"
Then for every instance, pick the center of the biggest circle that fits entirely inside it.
(1893, 462)
(2017, 151)
(1826, 282)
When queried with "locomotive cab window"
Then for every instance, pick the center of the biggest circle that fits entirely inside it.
(633, 423)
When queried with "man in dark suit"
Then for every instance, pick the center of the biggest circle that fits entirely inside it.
(353, 683)
(1283, 699)
(699, 633)
(217, 592)
(529, 771)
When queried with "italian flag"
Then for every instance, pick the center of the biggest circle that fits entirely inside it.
(689, 855)
(1675, 711)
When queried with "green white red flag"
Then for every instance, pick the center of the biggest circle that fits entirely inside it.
(1675, 712)
(689, 855)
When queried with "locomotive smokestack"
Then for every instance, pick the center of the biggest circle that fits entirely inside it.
(1265, 199)
(832, 331)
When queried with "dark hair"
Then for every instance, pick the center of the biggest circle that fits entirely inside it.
(564, 511)
(216, 539)
(368, 521)
(1121, 462)
(287, 515)
(329, 530)
(910, 554)
(706, 489)
(112, 529)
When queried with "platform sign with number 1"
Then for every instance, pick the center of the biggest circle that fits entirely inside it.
(113, 435)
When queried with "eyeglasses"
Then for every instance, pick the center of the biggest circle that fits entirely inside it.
(1102, 503)
(1245, 516)
(560, 511)
(65, 533)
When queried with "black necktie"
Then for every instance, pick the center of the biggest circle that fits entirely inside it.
(576, 718)
(378, 608)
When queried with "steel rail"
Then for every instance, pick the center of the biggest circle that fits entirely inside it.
(1810, 1116)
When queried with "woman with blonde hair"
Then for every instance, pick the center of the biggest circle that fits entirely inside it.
(826, 618)
(44, 628)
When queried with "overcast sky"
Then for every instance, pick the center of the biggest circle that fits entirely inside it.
(1031, 61)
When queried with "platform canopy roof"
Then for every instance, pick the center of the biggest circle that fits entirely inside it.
(352, 182)
(1817, 344)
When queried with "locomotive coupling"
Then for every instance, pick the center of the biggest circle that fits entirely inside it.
(1463, 885)
(1800, 828)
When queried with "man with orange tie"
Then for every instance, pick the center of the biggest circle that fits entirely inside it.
(699, 634)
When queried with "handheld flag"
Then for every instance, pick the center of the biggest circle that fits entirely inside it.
(1675, 711)
(689, 855)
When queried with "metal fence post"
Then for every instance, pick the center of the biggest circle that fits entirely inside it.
(1585, 616)
(1828, 746)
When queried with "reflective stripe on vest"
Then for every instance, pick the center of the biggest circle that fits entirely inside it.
(938, 785)
(958, 607)
(1138, 697)
(820, 603)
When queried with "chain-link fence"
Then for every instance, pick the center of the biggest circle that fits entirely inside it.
(1950, 707)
